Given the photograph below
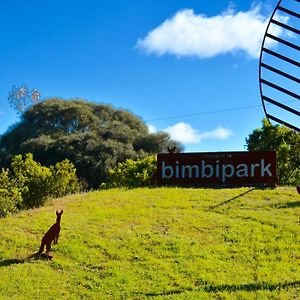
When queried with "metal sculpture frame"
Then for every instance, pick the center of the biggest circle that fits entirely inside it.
(262, 65)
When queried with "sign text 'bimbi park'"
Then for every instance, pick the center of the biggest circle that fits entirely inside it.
(217, 168)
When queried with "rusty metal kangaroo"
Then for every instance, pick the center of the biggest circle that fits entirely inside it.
(51, 236)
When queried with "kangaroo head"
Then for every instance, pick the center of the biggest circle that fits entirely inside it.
(58, 215)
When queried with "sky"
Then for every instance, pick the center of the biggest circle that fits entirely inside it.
(189, 68)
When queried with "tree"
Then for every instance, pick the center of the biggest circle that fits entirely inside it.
(285, 142)
(21, 98)
(94, 137)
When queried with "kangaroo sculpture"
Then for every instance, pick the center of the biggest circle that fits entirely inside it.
(172, 150)
(51, 236)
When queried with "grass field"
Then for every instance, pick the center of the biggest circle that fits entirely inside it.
(157, 244)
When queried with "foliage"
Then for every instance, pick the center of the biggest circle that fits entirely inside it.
(133, 173)
(32, 179)
(157, 243)
(285, 142)
(64, 180)
(10, 195)
(37, 183)
(21, 98)
(94, 137)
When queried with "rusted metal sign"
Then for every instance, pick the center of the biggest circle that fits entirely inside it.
(257, 168)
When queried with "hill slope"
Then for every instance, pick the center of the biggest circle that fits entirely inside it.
(157, 243)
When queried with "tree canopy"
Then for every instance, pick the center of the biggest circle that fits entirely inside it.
(94, 137)
(285, 142)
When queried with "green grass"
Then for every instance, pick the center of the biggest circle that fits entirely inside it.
(157, 244)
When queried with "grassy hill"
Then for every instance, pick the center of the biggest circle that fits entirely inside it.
(157, 244)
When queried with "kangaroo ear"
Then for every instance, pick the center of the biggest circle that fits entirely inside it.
(61, 212)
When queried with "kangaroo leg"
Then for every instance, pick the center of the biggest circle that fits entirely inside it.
(48, 248)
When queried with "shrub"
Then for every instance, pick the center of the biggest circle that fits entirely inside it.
(33, 180)
(132, 173)
(64, 180)
(285, 142)
(10, 195)
(37, 183)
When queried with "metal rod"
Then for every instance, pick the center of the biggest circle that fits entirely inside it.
(289, 60)
(280, 72)
(286, 26)
(291, 110)
(282, 122)
(273, 37)
(292, 13)
(279, 88)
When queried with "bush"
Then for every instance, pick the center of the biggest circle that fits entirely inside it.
(64, 180)
(30, 184)
(32, 179)
(132, 173)
(37, 183)
(10, 195)
(285, 142)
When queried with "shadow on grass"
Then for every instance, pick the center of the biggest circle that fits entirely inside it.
(288, 205)
(232, 199)
(15, 261)
(251, 287)
(169, 293)
(9, 262)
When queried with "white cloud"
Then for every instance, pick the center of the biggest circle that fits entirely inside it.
(151, 128)
(189, 34)
(219, 133)
(186, 134)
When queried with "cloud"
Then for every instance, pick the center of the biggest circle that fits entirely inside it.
(189, 34)
(219, 133)
(151, 128)
(186, 134)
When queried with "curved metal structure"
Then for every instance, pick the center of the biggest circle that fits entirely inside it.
(279, 65)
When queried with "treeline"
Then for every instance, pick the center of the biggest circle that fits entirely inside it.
(61, 147)
(94, 137)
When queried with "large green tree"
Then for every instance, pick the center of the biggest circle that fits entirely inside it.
(94, 137)
(285, 142)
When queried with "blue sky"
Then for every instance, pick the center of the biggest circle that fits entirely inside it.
(187, 67)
